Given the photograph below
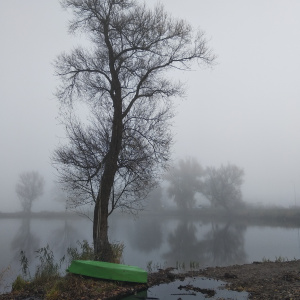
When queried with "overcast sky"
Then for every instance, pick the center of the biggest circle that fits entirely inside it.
(245, 110)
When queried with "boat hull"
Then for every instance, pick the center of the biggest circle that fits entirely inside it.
(110, 271)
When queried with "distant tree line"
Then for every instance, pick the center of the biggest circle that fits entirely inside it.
(221, 186)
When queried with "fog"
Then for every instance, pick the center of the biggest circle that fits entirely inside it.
(244, 110)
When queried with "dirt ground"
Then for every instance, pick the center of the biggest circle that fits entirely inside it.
(267, 280)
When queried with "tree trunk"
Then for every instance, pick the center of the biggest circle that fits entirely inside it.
(102, 248)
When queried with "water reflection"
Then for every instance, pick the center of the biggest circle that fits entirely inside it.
(148, 235)
(164, 241)
(168, 240)
(25, 240)
(184, 244)
(59, 238)
(64, 237)
(171, 291)
(223, 244)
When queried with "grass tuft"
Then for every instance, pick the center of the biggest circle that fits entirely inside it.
(47, 267)
(117, 249)
(19, 284)
(277, 259)
(85, 252)
(47, 280)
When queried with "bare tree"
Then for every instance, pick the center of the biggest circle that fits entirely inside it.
(222, 186)
(123, 77)
(145, 146)
(184, 182)
(29, 188)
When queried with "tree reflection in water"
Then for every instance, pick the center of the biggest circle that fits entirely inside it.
(60, 239)
(225, 244)
(221, 245)
(167, 240)
(184, 245)
(24, 240)
(65, 237)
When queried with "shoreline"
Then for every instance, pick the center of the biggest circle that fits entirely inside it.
(284, 217)
(262, 280)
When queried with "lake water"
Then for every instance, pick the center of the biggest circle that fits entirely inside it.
(184, 289)
(150, 241)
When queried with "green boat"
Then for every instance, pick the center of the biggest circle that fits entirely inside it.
(105, 270)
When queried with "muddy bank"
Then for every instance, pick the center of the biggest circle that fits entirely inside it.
(268, 280)
(264, 281)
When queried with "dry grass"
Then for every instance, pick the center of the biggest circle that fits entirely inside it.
(48, 282)
(3, 273)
